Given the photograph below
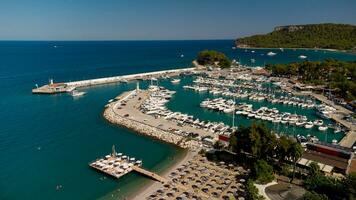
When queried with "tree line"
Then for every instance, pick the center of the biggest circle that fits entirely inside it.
(339, 76)
(329, 36)
(266, 154)
(213, 58)
(262, 147)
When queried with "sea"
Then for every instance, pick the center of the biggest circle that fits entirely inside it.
(47, 141)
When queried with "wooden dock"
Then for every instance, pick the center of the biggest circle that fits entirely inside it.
(117, 165)
(149, 174)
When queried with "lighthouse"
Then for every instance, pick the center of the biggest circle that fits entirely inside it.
(137, 86)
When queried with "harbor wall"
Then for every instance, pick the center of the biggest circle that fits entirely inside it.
(142, 128)
(115, 79)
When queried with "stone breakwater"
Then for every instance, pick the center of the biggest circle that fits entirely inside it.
(146, 129)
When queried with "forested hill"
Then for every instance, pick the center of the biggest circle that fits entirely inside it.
(328, 36)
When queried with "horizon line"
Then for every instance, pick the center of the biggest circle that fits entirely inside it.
(108, 40)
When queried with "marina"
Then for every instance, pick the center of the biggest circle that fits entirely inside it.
(314, 120)
(58, 135)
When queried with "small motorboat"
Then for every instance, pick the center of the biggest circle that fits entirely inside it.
(76, 93)
(318, 122)
(271, 53)
(309, 125)
(175, 81)
(323, 128)
(302, 57)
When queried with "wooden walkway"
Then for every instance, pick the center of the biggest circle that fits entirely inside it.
(149, 174)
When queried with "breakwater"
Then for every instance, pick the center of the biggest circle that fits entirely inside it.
(53, 88)
(138, 125)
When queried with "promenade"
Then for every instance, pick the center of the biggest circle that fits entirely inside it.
(350, 137)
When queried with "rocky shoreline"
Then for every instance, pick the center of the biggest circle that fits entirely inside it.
(145, 129)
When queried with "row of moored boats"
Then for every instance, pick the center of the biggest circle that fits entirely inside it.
(263, 113)
(155, 105)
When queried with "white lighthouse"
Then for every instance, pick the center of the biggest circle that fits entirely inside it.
(137, 86)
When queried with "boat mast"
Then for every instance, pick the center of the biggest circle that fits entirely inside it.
(113, 153)
(233, 115)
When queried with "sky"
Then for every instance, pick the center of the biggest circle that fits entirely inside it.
(161, 19)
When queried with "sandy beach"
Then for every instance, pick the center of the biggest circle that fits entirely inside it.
(153, 185)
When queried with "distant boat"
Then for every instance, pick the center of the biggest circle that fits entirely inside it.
(175, 81)
(124, 81)
(55, 46)
(281, 49)
(252, 51)
(76, 93)
(182, 55)
(271, 53)
(233, 47)
(302, 57)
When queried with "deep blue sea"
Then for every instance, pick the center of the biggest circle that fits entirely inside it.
(47, 141)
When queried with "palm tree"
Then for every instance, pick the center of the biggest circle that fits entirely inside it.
(295, 152)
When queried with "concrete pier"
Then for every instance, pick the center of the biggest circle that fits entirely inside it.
(350, 137)
(54, 88)
(131, 77)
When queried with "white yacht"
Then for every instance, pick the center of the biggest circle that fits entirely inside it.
(302, 57)
(271, 53)
(309, 125)
(175, 81)
(76, 93)
(323, 128)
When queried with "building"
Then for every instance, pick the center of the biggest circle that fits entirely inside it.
(330, 158)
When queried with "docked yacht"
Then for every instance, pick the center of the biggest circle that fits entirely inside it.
(309, 125)
(323, 128)
(175, 81)
(318, 122)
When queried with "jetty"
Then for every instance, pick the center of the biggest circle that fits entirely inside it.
(117, 165)
(350, 136)
(54, 88)
(149, 174)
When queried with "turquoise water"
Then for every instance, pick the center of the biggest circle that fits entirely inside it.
(188, 101)
(71, 132)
